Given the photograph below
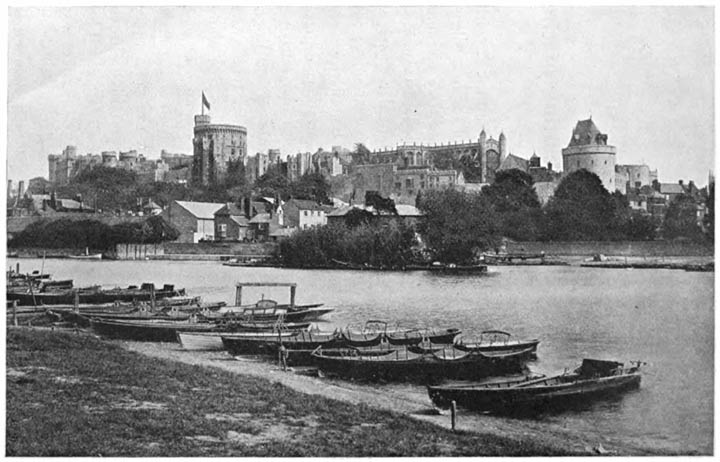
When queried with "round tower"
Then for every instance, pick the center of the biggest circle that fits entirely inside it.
(588, 149)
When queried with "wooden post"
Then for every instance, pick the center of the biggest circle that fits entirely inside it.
(14, 311)
(453, 414)
(238, 295)
(76, 301)
(32, 292)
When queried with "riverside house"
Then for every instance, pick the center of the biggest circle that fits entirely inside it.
(194, 220)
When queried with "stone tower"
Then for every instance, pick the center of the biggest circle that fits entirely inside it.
(215, 148)
(481, 154)
(502, 142)
(588, 149)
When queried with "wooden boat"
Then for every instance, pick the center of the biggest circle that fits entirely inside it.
(262, 326)
(495, 340)
(93, 295)
(299, 342)
(270, 310)
(147, 330)
(415, 336)
(213, 340)
(406, 365)
(92, 256)
(498, 258)
(450, 268)
(87, 256)
(593, 379)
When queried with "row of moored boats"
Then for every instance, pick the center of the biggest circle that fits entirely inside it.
(373, 351)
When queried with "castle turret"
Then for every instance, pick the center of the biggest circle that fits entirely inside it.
(502, 142)
(588, 149)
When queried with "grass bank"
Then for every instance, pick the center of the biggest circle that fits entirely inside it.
(72, 394)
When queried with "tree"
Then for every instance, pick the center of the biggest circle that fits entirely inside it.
(107, 188)
(640, 227)
(457, 225)
(581, 209)
(311, 186)
(273, 183)
(516, 204)
(681, 218)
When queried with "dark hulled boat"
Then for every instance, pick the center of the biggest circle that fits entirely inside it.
(93, 295)
(593, 379)
(406, 365)
(299, 346)
(147, 330)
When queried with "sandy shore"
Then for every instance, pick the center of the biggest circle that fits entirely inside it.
(409, 402)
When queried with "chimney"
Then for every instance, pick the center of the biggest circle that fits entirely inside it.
(680, 182)
(246, 207)
(21, 189)
(9, 188)
(550, 166)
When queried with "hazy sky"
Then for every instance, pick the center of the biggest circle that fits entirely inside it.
(121, 78)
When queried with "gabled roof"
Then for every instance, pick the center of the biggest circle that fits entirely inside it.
(301, 204)
(152, 205)
(258, 207)
(230, 209)
(240, 220)
(261, 218)
(202, 210)
(671, 188)
(513, 161)
(342, 211)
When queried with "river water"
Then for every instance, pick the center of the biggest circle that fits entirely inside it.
(663, 317)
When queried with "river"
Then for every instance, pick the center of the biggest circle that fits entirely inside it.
(663, 317)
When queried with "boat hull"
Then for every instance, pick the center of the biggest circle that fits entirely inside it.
(404, 365)
(89, 297)
(146, 331)
(533, 399)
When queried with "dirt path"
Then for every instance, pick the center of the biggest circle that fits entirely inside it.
(408, 402)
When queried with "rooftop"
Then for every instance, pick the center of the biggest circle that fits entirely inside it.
(202, 210)
(586, 133)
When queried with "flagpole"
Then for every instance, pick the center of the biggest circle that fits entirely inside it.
(202, 107)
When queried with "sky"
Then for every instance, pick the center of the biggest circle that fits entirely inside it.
(300, 78)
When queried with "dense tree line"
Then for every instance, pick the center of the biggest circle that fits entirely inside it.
(380, 244)
(94, 234)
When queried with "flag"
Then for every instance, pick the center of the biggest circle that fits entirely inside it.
(205, 101)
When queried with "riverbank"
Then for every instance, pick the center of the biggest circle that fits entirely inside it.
(71, 394)
(148, 399)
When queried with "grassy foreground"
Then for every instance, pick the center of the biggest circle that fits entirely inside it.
(72, 394)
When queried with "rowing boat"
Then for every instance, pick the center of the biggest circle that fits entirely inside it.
(592, 380)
